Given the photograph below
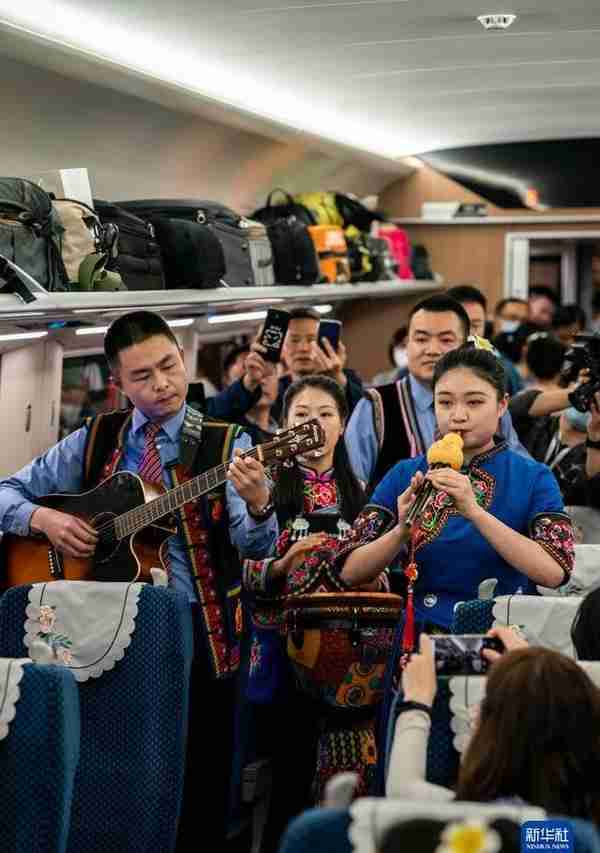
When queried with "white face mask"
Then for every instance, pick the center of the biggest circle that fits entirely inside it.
(509, 326)
(400, 357)
(577, 420)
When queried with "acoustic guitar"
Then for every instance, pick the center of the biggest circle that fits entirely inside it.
(133, 539)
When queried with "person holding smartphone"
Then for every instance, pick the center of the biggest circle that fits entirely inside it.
(307, 354)
(513, 754)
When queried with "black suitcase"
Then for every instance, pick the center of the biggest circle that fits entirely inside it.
(139, 258)
(247, 250)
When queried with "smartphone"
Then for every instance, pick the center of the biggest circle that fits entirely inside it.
(332, 330)
(273, 334)
(461, 654)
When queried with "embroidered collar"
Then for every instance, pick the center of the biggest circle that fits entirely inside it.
(171, 427)
(314, 477)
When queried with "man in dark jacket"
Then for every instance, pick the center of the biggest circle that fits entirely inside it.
(305, 355)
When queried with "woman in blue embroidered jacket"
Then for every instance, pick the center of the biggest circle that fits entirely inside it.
(316, 499)
(500, 517)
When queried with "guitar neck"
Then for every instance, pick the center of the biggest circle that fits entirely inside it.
(282, 446)
(136, 519)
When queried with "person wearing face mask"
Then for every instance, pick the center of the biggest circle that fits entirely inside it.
(565, 439)
(554, 432)
(509, 314)
(316, 499)
(398, 359)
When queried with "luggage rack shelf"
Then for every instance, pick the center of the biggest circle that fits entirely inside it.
(97, 308)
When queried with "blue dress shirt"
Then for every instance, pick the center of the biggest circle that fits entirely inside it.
(60, 470)
(361, 440)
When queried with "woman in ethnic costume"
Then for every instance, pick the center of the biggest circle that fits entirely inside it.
(316, 500)
(501, 516)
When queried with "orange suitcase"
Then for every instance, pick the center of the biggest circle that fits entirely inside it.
(332, 250)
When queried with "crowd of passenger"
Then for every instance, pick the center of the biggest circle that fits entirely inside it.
(338, 519)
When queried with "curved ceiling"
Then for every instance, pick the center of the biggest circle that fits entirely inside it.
(388, 77)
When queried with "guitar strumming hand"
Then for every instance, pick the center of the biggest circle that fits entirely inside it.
(84, 536)
(69, 534)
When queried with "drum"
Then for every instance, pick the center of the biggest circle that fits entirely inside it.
(339, 644)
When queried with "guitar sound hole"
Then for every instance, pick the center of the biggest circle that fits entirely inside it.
(108, 545)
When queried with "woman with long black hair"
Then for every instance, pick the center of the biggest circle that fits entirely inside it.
(316, 497)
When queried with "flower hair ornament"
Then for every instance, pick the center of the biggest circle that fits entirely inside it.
(472, 836)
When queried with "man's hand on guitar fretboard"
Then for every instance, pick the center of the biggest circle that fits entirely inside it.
(247, 476)
(70, 535)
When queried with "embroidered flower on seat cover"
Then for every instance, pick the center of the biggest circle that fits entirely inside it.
(60, 644)
(472, 836)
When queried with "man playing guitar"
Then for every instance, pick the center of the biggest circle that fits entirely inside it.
(147, 365)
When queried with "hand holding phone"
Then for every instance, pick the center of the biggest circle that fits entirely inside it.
(332, 330)
(462, 654)
(273, 334)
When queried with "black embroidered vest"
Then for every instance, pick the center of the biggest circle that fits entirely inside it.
(203, 526)
(392, 439)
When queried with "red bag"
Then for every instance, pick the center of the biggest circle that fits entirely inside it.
(399, 247)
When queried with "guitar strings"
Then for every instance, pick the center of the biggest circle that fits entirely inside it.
(145, 512)
(137, 518)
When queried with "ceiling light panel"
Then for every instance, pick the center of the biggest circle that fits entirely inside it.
(204, 49)
(22, 336)
(173, 56)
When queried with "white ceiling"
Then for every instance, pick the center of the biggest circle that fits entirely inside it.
(389, 77)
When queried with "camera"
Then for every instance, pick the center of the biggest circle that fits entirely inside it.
(584, 354)
(461, 654)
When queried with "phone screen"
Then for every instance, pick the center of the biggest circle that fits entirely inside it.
(273, 334)
(461, 654)
(332, 330)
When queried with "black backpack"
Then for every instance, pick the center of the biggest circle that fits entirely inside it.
(420, 264)
(273, 212)
(192, 253)
(295, 258)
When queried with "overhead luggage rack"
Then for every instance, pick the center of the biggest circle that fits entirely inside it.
(45, 308)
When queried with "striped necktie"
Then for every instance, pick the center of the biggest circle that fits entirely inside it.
(150, 466)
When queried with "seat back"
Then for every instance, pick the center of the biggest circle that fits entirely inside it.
(38, 762)
(586, 571)
(473, 617)
(129, 781)
(379, 825)
(442, 757)
(375, 820)
(545, 620)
